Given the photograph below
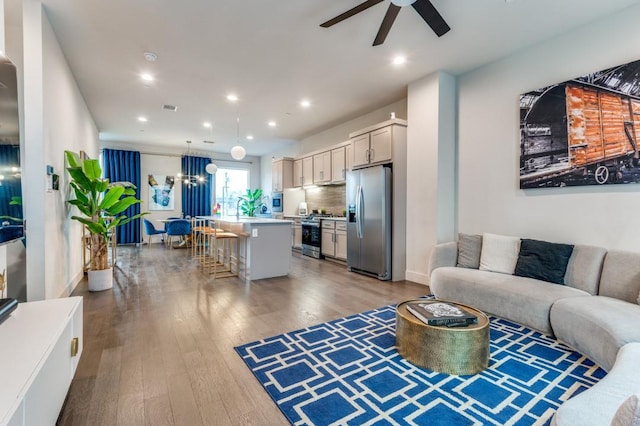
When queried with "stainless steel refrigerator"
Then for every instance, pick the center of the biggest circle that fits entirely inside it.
(369, 221)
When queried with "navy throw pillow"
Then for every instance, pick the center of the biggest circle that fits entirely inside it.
(543, 260)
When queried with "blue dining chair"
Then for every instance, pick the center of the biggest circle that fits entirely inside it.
(151, 230)
(178, 228)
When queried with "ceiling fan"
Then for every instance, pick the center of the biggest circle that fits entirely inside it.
(424, 8)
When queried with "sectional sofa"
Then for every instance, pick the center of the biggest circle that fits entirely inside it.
(589, 299)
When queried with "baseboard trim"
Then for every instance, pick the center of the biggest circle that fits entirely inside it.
(418, 277)
(72, 285)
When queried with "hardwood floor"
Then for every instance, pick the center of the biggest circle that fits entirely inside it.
(158, 348)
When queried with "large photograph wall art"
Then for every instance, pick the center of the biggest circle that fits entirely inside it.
(583, 131)
(161, 192)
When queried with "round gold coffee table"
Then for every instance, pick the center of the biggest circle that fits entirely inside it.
(451, 350)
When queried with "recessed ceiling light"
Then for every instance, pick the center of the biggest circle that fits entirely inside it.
(146, 76)
(206, 124)
(232, 97)
(399, 60)
(150, 56)
(250, 137)
(142, 119)
(272, 123)
(305, 103)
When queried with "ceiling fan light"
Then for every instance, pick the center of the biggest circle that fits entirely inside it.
(402, 3)
(238, 152)
(211, 168)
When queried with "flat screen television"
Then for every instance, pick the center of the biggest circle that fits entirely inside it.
(11, 212)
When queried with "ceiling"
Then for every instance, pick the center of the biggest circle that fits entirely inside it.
(272, 54)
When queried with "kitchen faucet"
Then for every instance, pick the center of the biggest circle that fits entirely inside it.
(238, 208)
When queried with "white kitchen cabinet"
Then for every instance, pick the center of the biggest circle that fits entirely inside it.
(303, 171)
(44, 341)
(297, 173)
(322, 168)
(338, 165)
(297, 234)
(348, 157)
(328, 238)
(360, 147)
(341, 240)
(334, 239)
(281, 174)
(374, 147)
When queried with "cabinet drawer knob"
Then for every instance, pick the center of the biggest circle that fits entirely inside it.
(75, 343)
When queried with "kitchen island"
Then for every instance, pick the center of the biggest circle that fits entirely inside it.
(265, 244)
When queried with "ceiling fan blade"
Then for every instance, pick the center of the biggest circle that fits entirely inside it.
(387, 22)
(431, 17)
(349, 13)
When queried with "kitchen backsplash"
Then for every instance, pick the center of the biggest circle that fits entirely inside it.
(331, 198)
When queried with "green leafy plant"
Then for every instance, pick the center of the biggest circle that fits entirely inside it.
(102, 204)
(16, 200)
(252, 202)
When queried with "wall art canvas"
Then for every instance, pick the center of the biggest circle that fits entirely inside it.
(583, 131)
(161, 192)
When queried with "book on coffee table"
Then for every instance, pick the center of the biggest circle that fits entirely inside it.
(441, 313)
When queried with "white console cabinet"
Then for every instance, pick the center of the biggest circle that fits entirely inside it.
(41, 346)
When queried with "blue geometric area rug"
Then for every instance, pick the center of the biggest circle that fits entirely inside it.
(348, 372)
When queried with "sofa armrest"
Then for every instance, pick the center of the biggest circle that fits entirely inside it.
(445, 254)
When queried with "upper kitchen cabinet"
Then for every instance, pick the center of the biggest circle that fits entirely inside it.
(338, 165)
(303, 171)
(376, 144)
(281, 174)
(322, 168)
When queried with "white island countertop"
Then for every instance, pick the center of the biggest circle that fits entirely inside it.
(246, 219)
(265, 244)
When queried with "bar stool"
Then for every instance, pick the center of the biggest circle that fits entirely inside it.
(198, 239)
(222, 258)
(203, 243)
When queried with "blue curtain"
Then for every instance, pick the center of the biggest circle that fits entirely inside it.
(10, 186)
(196, 198)
(124, 166)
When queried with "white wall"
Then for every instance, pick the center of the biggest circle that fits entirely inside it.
(55, 118)
(329, 137)
(489, 196)
(159, 165)
(430, 169)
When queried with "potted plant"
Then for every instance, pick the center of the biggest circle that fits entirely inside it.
(102, 205)
(252, 202)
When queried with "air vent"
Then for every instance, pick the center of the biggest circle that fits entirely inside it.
(170, 107)
(211, 142)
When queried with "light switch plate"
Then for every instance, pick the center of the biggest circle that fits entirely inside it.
(254, 232)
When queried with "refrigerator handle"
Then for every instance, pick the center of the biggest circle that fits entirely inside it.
(359, 207)
(358, 234)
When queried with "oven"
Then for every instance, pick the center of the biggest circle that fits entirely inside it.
(311, 238)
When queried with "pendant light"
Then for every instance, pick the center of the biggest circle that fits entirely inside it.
(238, 152)
(210, 168)
(189, 179)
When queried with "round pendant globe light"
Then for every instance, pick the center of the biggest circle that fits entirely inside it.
(238, 152)
(402, 3)
(211, 168)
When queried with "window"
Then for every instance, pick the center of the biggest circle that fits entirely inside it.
(230, 185)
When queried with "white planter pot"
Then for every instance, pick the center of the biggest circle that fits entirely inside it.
(101, 280)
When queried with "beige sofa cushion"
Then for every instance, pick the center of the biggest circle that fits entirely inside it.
(596, 326)
(629, 412)
(499, 253)
(621, 276)
(523, 300)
